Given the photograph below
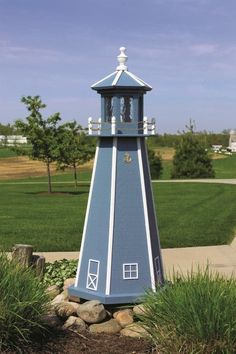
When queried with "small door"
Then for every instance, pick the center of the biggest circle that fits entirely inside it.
(93, 275)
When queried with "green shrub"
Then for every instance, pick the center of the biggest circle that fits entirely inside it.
(23, 302)
(155, 163)
(191, 159)
(197, 314)
(57, 272)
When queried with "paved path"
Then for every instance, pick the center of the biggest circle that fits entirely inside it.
(219, 258)
(205, 180)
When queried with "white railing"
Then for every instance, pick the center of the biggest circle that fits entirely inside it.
(146, 127)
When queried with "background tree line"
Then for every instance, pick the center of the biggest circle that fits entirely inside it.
(205, 138)
(69, 146)
(8, 129)
(165, 140)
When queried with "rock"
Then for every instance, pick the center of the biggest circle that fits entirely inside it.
(124, 317)
(53, 291)
(110, 327)
(134, 330)
(59, 298)
(92, 311)
(68, 282)
(71, 297)
(75, 305)
(66, 309)
(74, 298)
(75, 324)
(139, 309)
(51, 320)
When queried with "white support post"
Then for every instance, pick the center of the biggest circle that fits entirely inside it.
(153, 126)
(145, 126)
(113, 125)
(99, 125)
(90, 125)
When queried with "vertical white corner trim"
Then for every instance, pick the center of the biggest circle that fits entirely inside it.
(159, 244)
(86, 215)
(112, 215)
(144, 196)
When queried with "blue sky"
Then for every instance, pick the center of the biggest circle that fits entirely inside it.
(185, 49)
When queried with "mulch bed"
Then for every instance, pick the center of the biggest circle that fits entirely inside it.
(72, 343)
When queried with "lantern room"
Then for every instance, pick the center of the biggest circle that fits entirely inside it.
(122, 103)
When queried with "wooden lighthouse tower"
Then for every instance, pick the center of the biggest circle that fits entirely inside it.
(120, 253)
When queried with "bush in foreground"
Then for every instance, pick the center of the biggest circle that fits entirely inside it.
(197, 314)
(23, 302)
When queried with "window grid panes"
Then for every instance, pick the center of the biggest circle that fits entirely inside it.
(130, 271)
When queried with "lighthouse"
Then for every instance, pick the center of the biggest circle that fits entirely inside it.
(120, 256)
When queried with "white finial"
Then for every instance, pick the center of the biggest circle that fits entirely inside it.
(122, 59)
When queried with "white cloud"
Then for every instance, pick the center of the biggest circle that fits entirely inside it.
(9, 51)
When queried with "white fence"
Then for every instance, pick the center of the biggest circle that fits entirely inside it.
(11, 140)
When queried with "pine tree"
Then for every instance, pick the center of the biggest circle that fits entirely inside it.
(191, 159)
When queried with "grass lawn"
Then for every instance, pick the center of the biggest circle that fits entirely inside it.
(224, 168)
(188, 214)
(83, 176)
(6, 152)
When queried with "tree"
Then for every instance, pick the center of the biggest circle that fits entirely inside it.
(73, 148)
(7, 129)
(41, 133)
(191, 159)
(155, 164)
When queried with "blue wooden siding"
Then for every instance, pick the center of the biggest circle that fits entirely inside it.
(98, 219)
(129, 242)
(154, 234)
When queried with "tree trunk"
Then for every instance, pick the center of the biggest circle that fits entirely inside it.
(23, 254)
(49, 178)
(75, 175)
(38, 263)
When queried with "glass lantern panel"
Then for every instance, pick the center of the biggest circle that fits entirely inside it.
(126, 109)
(109, 103)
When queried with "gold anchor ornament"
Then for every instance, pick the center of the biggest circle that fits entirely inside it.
(127, 157)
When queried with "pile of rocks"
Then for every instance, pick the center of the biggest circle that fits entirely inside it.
(68, 312)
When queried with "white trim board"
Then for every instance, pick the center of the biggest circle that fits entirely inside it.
(86, 215)
(107, 77)
(116, 79)
(112, 216)
(144, 197)
(136, 78)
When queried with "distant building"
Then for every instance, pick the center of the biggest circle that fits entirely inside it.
(11, 140)
(216, 148)
(232, 140)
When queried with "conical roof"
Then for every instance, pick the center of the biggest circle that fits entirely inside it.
(121, 78)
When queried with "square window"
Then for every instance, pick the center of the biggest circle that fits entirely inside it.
(130, 271)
